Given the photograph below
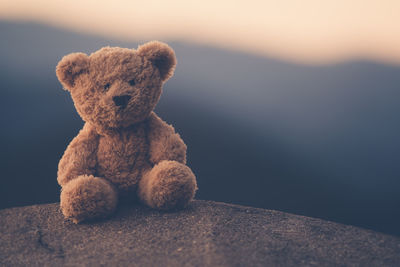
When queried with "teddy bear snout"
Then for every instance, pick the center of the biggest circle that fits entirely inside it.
(122, 100)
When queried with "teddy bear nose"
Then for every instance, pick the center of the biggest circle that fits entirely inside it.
(121, 100)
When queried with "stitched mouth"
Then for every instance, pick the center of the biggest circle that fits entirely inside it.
(121, 101)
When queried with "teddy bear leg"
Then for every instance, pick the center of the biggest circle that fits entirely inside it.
(88, 197)
(168, 185)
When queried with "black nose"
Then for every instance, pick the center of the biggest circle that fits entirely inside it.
(121, 100)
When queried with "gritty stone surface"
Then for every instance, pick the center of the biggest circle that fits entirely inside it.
(205, 234)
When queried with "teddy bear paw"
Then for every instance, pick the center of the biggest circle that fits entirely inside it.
(87, 197)
(169, 185)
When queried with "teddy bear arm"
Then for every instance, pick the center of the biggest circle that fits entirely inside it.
(165, 144)
(79, 158)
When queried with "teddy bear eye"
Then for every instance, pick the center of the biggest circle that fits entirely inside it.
(132, 82)
(106, 86)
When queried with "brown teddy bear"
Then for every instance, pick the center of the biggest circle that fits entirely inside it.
(124, 148)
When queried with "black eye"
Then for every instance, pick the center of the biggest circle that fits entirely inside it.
(107, 86)
(132, 82)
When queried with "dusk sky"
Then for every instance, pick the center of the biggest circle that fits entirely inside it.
(305, 31)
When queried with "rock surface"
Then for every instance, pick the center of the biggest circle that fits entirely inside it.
(205, 234)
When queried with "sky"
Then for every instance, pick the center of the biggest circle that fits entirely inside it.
(305, 31)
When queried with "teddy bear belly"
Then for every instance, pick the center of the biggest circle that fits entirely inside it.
(123, 162)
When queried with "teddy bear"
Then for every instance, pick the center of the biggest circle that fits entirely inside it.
(124, 149)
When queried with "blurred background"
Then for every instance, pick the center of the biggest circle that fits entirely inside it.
(289, 105)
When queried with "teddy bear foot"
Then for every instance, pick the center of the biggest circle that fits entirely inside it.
(169, 185)
(88, 197)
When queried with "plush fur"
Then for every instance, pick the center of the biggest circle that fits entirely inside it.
(124, 148)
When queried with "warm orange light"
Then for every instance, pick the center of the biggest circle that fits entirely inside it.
(310, 31)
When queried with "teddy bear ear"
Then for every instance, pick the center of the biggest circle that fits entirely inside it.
(161, 55)
(70, 67)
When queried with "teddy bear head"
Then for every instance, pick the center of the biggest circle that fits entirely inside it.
(116, 87)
